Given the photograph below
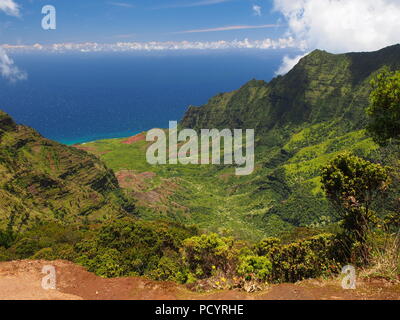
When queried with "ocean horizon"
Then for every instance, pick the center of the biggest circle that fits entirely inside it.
(82, 97)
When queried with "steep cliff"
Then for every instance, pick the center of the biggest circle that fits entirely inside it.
(321, 87)
(44, 180)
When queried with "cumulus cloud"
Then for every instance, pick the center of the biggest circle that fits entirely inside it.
(10, 7)
(8, 70)
(340, 25)
(288, 64)
(343, 25)
(257, 10)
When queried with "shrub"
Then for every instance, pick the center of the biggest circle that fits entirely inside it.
(208, 252)
(267, 247)
(353, 185)
(384, 108)
(254, 267)
(108, 263)
(7, 238)
(309, 258)
(4, 254)
(25, 247)
(60, 251)
(170, 269)
(45, 254)
(141, 247)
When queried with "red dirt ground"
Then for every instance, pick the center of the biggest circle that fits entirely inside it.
(22, 280)
(138, 137)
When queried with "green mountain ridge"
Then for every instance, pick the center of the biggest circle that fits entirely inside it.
(322, 86)
(301, 121)
(42, 179)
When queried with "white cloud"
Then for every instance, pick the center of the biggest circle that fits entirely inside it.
(288, 64)
(257, 10)
(10, 7)
(192, 4)
(229, 28)
(205, 3)
(342, 25)
(121, 4)
(8, 70)
(264, 44)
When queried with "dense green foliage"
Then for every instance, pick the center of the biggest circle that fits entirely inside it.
(353, 184)
(122, 247)
(384, 108)
(254, 268)
(134, 247)
(302, 120)
(76, 203)
(44, 180)
(268, 260)
(208, 252)
(165, 251)
(308, 258)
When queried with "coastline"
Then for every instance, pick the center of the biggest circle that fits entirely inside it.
(99, 137)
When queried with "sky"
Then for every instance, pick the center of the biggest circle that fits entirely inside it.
(122, 25)
(105, 21)
(334, 25)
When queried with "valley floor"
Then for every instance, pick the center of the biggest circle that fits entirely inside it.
(21, 280)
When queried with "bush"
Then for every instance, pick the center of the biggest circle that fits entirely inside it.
(108, 264)
(170, 269)
(310, 258)
(7, 238)
(254, 267)
(209, 252)
(25, 247)
(4, 254)
(267, 247)
(134, 247)
(45, 254)
(384, 108)
(61, 251)
(353, 185)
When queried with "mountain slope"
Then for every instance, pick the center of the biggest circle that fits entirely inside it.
(322, 86)
(302, 120)
(44, 180)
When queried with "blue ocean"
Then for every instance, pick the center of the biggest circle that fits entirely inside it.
(80, 97)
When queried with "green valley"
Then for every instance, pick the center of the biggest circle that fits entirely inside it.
(302, 120)
(323, 193)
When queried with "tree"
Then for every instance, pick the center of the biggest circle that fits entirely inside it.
(353, 184)
(384, 108)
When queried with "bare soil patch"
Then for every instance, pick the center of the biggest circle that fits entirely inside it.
(136, 138)
(22, 280)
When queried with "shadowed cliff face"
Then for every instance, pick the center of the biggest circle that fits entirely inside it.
(322, 86)
(42, 179)
(6, 123)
